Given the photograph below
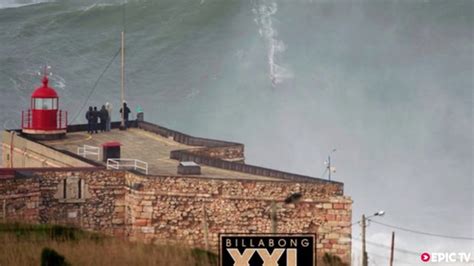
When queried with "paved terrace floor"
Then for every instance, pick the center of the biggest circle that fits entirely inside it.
(145, 146)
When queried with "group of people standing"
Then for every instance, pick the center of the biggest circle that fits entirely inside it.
(100, 120)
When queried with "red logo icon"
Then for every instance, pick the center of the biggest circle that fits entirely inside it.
(425, 257)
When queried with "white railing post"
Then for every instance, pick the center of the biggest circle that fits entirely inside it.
(117, 163)
(88, 150)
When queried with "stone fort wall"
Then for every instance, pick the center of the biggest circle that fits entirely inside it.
(187, 210)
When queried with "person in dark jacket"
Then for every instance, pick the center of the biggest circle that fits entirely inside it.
(126, 112)
(95, 119)
(104, 116)
(89, 120)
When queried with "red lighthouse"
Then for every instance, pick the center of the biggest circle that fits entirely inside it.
(43, 120)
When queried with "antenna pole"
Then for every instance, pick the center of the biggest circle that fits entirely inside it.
(391, 248)
(329, 167)
(122, 90)
(364, 251)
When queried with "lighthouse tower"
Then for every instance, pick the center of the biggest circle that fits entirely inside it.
(43, 120)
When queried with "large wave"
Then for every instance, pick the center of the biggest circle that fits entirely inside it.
(20, 3)
(264, 13)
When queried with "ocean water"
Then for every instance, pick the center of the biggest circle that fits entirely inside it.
(387, 83)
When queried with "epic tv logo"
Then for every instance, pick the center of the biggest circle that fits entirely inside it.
(268, 250)
(446, 257)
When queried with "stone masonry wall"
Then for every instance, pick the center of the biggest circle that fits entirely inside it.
(179, 209)
(229, 153)
(39, 197)
(100, 209)
(19, 199)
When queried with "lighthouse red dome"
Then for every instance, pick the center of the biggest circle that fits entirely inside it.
(44, 91)
(44, 120)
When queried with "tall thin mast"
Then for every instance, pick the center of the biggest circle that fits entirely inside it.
(122, 91)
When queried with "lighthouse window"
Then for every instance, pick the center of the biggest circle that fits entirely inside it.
(46, 103)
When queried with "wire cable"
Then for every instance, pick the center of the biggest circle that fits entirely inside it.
(395, 259)
(411, 252)
(423, 233)
(106, 68)
(94, 87)
(350, 225)
(325, 169)
(342, 227)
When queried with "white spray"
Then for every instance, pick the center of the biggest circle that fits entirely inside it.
(264, 13)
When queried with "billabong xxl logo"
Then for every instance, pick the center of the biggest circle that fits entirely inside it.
(267, 250)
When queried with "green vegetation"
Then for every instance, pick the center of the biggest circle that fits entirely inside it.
(46, 232)
(332, 260)
(24, 244)
(49, 257)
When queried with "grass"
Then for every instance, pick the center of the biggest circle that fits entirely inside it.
(22, 244)
(332, 260)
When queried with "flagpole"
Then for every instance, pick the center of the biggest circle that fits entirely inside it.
(122, 90)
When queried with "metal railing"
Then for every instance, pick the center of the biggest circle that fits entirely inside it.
(118, 163)
(184, 138)
(88, 150)
(185, 155)
(27, 120)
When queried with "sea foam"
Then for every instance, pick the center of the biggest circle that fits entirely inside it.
(264, 13)
(20, 3)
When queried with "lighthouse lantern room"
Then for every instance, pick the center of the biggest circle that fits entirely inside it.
(44, 120)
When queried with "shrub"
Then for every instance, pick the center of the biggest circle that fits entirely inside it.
(49, 257)
(332, 260)
(204, 257)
